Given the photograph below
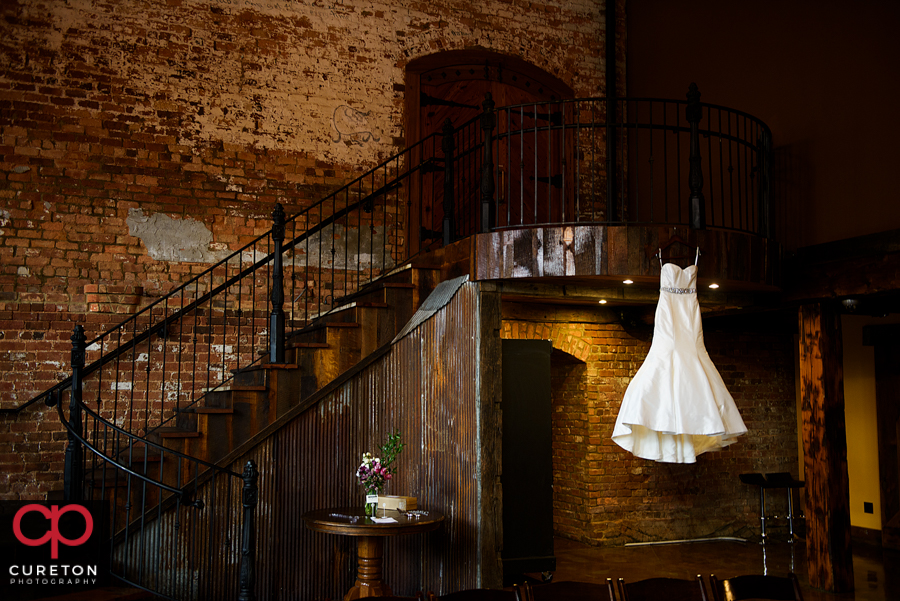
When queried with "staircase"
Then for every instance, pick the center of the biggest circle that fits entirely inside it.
(175, 479)
(316, 355)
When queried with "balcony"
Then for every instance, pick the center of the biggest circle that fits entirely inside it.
(587, 192)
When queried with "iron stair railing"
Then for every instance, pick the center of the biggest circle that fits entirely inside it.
(178, 527)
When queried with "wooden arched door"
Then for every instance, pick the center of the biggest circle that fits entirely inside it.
(452, 86)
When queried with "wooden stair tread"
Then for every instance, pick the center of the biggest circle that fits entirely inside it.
(250, 387)
(398, 285)
(177, 433)
(307, 345)
(324, 325)
(214, 410)
(266, 366)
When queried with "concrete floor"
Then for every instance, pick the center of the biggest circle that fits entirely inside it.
(876, 571)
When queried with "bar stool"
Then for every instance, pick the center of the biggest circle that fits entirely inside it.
(757, 479)
(786, 481)
(774, 480)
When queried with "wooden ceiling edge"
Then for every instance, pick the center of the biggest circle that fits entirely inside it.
(594, 250)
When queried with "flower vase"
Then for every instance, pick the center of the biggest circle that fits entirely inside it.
(371, 505)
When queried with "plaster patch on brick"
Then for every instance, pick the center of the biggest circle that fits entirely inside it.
(5, 217)
(167, 239)
(368, 243)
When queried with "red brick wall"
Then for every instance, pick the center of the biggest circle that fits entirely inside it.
(203, 111)
(603, 494)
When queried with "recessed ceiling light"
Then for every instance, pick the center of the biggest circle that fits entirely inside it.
(713, 286)
(628, 281)
(603, 302)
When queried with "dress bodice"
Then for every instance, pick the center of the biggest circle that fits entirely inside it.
(673, 276)
(678, 312)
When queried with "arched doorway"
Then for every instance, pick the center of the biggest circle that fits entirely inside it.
(452, 86)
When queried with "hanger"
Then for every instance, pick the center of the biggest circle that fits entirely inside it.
(676, 239)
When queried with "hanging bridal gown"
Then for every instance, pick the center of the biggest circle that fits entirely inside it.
(677, 407)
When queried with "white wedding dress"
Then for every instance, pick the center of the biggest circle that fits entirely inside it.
(676, 406)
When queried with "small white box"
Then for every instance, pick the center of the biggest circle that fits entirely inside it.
(396, 502)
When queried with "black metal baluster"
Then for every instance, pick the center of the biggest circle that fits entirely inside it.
(620, 182)
(594, 174)
(576, 204)
(143, 504)
(730, 171)
(693, 113)
(293, 276)
(637, 163)
(721, 171)
(678, 166)
(224, 325)
(652, 171)
(611, 166)
(666, 159)
(194, 340)
(488, 122)
(765, 156)
(276, 319)
(448, 145)
(73, 476)
(133, 368)
(521, 166)
(249, 499)
(210, 334)
(745, 221)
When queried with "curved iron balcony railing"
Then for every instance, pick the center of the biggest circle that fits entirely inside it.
(639, 161)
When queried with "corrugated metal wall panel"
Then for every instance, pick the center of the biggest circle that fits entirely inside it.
(424, 387)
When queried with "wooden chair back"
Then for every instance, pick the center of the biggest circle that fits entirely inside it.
(756, 586)
(475, 594)
(566, 590)
(670, 589)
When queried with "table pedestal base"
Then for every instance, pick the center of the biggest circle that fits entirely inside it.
(369, 583)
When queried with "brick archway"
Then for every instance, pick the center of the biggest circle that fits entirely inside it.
(568, 338)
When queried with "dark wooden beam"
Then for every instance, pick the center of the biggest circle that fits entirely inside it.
(852, 267)
(733, 259)
(830, 561)
(489, 393)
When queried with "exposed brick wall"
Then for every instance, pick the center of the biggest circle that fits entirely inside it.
(603, 494)
(209, 111)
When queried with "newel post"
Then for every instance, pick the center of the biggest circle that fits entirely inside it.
(448, 145)
(276, 320)
(694, 112)
(488, 122)
(249, 499)
(73, 485)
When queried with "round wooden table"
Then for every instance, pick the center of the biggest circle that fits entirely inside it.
(352, 521)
